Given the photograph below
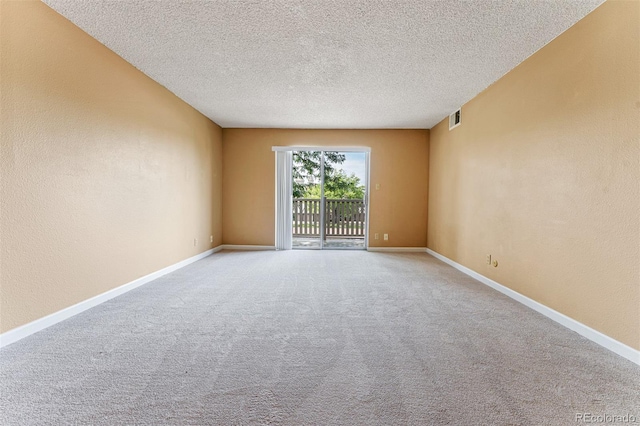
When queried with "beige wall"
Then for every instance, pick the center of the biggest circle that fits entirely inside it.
(543, 174)
(106, 176)
(399, 163)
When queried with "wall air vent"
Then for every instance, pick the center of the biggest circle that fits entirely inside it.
(455, 119)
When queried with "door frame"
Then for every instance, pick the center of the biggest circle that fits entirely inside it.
(367, 162)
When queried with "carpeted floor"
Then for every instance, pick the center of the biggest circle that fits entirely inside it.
(312, 337)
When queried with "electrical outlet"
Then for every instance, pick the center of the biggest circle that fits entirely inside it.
(376, 236)
(386, 237)
(488, 259)
(377, 186)
(195, 242)
(211, 239)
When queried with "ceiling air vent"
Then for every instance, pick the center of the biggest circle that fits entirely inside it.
(454, 119)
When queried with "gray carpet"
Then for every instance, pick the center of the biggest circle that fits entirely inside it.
(311, 337)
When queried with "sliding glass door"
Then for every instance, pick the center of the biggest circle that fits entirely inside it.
(329, 199)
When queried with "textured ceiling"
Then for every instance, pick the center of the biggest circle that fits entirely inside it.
(325, 63)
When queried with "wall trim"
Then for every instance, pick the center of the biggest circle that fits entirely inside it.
(322, 148)
(245, 247)
(28, 329)
(399, 249)
(595, 336)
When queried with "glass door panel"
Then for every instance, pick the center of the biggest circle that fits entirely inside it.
(344, 194)
(307, 205)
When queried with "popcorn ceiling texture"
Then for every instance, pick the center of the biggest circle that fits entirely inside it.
(325, 64)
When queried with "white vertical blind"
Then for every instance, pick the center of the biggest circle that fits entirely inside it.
(284, 191)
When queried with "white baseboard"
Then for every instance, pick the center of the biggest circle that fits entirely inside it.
(23, 331)
(245, 247)
(603, 340)
(398, 249)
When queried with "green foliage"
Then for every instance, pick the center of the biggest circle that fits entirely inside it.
(306, 166)
(337, 185)
(306, 177)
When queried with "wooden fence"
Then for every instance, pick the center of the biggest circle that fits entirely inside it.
(343, 218)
